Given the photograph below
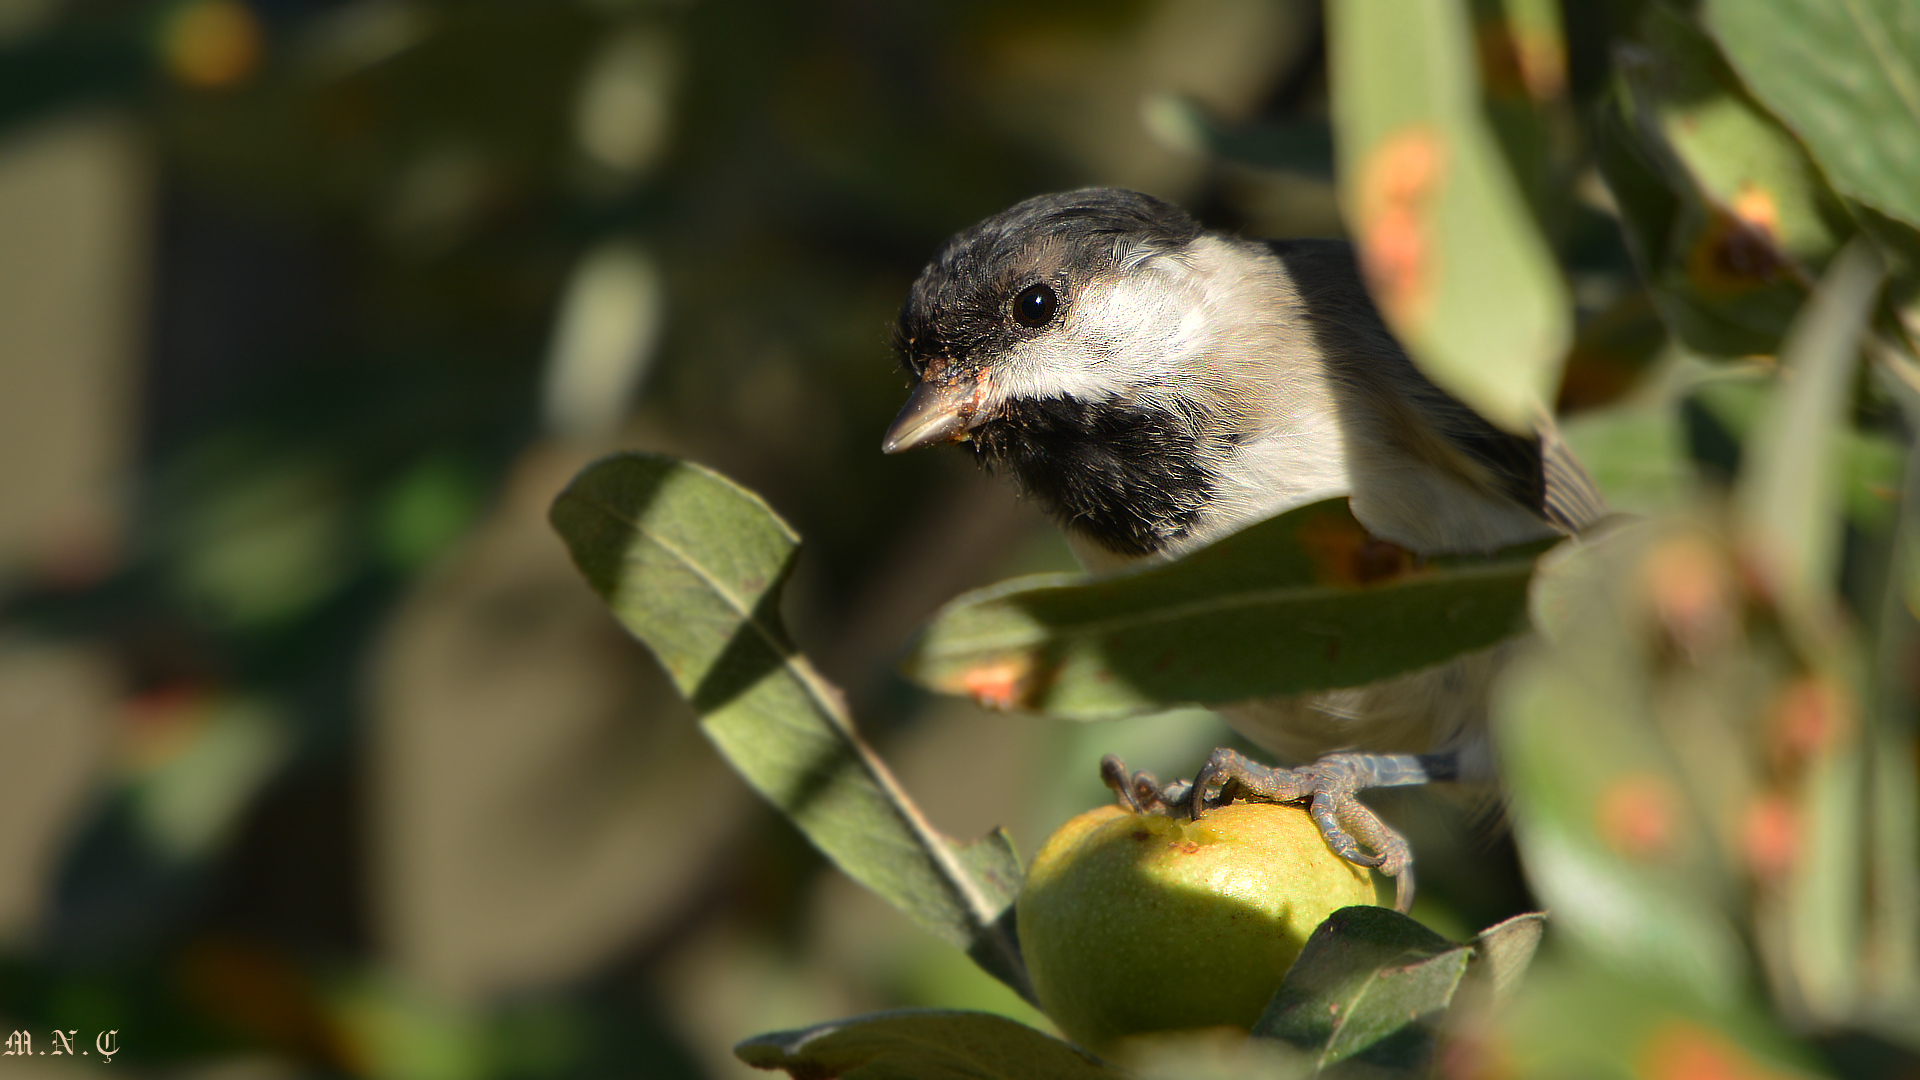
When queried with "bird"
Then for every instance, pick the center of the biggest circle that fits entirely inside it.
(1155, 386)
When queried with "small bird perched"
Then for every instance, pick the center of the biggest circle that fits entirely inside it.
(1157, 386)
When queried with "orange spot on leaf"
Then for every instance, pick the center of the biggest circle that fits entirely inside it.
(1343, 553)
(1399, 181)
(999, 685)
(1693, 592)
(1687, 1051)
(1638, 815)
(1738, 250)
(1769, 836)
(1809, 715)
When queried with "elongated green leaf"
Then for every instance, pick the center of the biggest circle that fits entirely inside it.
(1790, 498)
(1628, 770)
(1845, 75)
(1371, 983)
(1790, 490)
(1456, 264)
(693, 566)
(923, 1045)
(1285, 606)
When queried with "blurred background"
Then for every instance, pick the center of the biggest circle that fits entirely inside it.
(316, 754)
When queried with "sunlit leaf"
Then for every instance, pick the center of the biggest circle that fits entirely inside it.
(923, 1045)
(1451, 253)
(1845, 75)
(693, 565)
(1305, 601)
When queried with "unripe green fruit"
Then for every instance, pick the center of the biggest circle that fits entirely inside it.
(1133, 923)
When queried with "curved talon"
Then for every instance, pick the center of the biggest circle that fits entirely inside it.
(1210, 783)
(1403, 889)
(1113, 773)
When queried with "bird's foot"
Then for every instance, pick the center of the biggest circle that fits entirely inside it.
(1140, 792)
(1329, 787)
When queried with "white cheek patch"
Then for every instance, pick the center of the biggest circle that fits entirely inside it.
(1121, 337)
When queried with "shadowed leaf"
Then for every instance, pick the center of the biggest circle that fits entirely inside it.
(1302, 602)
(1371, 984)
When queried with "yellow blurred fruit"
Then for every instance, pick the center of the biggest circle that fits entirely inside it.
(1135, 923)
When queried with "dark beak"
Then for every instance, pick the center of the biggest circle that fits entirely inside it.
(939, 410)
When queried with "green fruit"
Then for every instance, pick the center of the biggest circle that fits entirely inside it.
(1133, 923)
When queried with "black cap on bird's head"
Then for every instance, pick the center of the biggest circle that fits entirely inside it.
(1007, 280)
(1038, 338)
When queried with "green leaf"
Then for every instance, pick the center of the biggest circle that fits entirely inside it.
(1892, 931)
(1870, 466)
(1636, 453)
(1285, 606)
(1845, 75)
(1790, 491)
(1578, 1020)
(1502, 952)
(923, 1045)
(1789, 502)
(1628, 769)
(1372, 984)
(693, 566)
(1455, 262)
(1724, 212)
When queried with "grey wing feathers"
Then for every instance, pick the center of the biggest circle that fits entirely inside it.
(1538, 472)
(1569, 499)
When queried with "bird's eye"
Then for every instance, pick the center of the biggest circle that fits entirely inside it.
(1035, 305)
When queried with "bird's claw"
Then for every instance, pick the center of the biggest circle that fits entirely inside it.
(1354, 832)
(1140, 792)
